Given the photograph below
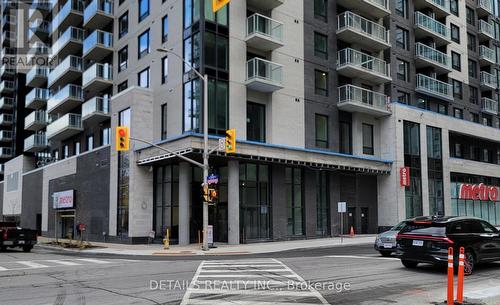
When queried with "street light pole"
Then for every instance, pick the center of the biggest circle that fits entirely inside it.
(205, 140)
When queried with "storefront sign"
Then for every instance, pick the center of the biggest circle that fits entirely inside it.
(404, 176)
(63, 200)
(478, 192)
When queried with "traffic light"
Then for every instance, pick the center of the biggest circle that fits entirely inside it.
(230, 141)
(206, 196)
(122, 138)
(218, 4)
(210, 195)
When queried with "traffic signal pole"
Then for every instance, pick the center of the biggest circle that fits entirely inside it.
(205, 160)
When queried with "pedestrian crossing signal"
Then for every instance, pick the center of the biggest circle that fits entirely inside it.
(210, 195)
(122, 138)
(230, 141)
(218, 4)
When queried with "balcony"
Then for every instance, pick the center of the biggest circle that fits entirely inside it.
(70, 42)
(9, 20)
(440, 7)
(485, 8)
(7, 52)
(7, 86)
(426, 27)
(433, 87)
(35, 143)
(37, 76)
(355, 64)
(427, 56)
(5, 70)
(71, 14)
(356, 99)
(264, 33)
(67, 126)
(37, 98)
(39, 50)
(6, 103)
(263, 75)
(486, 31)
(65, 99)
(488, 81)
(374, 8)
(36, 120)
(5, 135)
(67, 71)
(487, 56)
(5, 152)
(97, 78)
(9, 38)
(265, 5)
(96, 110)
(39, 29)
(98, 14)
(355, 29)
(6, 119)
(97, 45)
(489, 106)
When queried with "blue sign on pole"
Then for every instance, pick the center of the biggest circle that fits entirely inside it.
(213, 179)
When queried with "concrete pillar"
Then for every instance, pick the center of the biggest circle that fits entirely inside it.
(233, 205)
(448, 209)
(425, 170)
(184, 202)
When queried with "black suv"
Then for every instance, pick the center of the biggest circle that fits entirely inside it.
(427, 239)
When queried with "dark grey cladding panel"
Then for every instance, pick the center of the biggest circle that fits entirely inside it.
(32, 199)
(1, 201)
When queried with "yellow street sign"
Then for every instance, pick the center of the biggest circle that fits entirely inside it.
(218, 4)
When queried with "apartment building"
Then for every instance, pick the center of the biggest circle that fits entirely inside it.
(332, 101)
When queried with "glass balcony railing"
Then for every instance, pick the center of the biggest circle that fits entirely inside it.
(38, 117)
(348, 20)
(71, 34)
(97, 38)
(361, 60)
(261, 69)
(486, 28)
(486, 5)
(488, 79)
(97, 71)
(5, 69)
(42, 4)
(431, 54)
(5, 135)
(434, 86)
(432, 25)
(40, 25)
(353, 94)
(37, 95)
(488, 105)
(6, 102)
(384, 4)
(73, 92)
(443, 4)
(37, 71)
(6, 119)
(96, 105)
(70, 6)
(5, 152)
(7, 85)
(36, 140)
(71, 62)
(487, 54)
(97, 6)
(260, 24)
(67, 121)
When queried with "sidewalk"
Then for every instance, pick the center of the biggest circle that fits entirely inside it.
(222, 249)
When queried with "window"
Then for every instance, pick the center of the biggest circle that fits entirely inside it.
(164, 29)
(164, 69)
(443, 109)
(295, 204)
(192, 52)
(256, 122)
(143, 44)
(143, 9)
(90, 142)
(457, 89)
(458, 113)
(220, 17)
(403, 68)
(191, 12)
(402, 38)
(216, 50)
(122, 86)
(345, 137)
(320, 45)
(105, 136)
(402, 8)
(474, 117)
(456, 61)
(472, 68)
(487, 121)
(321, 83)
(403, 97)
(473, 95)
(143, 78)
(454, 7)
(368, 139)
(471, 16)
(192, 100)
(455, 33)
(123, 59)
(123, 25)
(218, 105)
(321, 131)
(471, 42)
(163, 121)
(321, 9)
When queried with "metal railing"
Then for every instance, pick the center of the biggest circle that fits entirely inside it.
(5, 135)
(487, 5)
(101, 6)
(487, 54)
(489, 105)
(98, 38)
(434, 86)
(37, 94)
(361, 60)
(72, 33)
(443, 4)
(37, 71)
(381, 3)
(488, 79)
(36, 140)
(71, 91)
(69, 6)
(97, 71)
(7, 85)
(37, 116)
(5, 151)
(263, 25)
(6, 118)
(69, 120)
(432, 25)
(95, 105)
(486, 28)
(349, 20)
(6, 102)
(70, 62)
(431, 54)
(258, 68)
(354, 94)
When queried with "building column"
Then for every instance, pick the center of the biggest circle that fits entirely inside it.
(424, 170)
(184, 202)
(233, 204)
(445, 144)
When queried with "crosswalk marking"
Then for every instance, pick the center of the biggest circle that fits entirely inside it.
(63, 262)
(32, 265)
(3, 269)
(239, 266)
(52, 263)
(91, 260)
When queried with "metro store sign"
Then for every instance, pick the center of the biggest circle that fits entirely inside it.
(477, 192)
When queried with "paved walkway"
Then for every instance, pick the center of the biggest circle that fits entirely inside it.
(222, 249)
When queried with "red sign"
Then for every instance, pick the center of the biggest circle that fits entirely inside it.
(478, 192)
(82, 227)
(404, 176)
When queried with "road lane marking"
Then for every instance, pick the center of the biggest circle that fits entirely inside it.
(263, 276)
(92, 260)
(363, 257)
(63, 262)
(243, 270)
(292, 293)
(3, 269)
(239, 266)
(238, 302)
(187, 295)
(32, 265)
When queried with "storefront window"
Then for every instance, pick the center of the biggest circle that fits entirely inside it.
(166, 211)
(322, 204)
(484, 209)
(413, 193)
(294, 198)
(435, 171)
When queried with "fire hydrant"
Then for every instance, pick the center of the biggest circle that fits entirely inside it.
(166, 240)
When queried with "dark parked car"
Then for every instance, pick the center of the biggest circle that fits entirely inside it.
(427, 239)
(12, 236)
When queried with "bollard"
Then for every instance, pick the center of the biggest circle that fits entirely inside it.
(461, 266)
(166, 240)
(450, 299)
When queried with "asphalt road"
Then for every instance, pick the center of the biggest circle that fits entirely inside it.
(340, 275)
